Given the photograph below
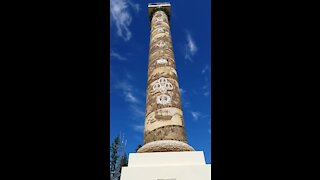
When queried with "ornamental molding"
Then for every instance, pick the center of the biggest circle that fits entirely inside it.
(161, 44)
(163, 99)
(162, 61)
(162, 85)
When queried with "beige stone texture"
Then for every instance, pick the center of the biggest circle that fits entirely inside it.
(164, 117)
(165, 146)
(169, 132)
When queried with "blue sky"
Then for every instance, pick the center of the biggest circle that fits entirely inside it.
(129, 44)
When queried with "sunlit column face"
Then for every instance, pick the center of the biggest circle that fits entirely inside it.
(164, 117)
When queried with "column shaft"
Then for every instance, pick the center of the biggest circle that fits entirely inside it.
(164, 123)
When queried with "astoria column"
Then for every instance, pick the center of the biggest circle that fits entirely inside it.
(164, 129)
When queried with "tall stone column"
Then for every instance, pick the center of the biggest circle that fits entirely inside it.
(164, 129)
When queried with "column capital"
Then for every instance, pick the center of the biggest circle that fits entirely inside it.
(163, 6)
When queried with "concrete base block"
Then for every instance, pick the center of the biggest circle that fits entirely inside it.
(167, 166)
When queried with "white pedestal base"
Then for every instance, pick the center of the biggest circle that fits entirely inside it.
(167, 166)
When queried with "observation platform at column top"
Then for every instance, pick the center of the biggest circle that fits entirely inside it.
(165, 6)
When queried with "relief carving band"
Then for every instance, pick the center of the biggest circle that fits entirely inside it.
(163, 99)
(160, 47)
(162, 85)
(160, 14)
(160, 25)
(162, 71)
(154, 102)
(160, 37)
(161, 44)
(159, 19)
(163, 117)
(165, 63)
(162, 61)
(160, 30)
(160, 52)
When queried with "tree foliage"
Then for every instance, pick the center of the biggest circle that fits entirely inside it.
(118, 157)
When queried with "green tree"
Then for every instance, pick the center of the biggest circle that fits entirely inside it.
(123, 161)
(114, 155)
(118, 157)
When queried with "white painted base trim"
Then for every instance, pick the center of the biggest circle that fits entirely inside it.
(167, 166)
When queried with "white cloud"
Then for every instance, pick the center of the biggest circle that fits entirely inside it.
(124, 86)
(135, 6)
(134, 105)
(121, 16)
(138, 114)
(127, 91)
(205, 69)
(206, 93)
(191, 48)
(186, 104)
(117, 56)
(206, 87)
(182, 91)
(130, 98)
(139, 128)
(138, 111)
(184, 101)
(195, 115)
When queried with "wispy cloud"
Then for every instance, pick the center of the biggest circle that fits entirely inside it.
(195, 115)
(130, 98)
(182, 91)
(138, 111)
(191, 47)
(138, 115)
(124, 86)
(121, 17)
(135, 107)
(128, 75)
(206, 90)
(135, 6)
(139, 128)
(206, 87)
(205, 69)
(184, 101)
(206, 93)
(127, 91)
(198, 115)
(117, 56)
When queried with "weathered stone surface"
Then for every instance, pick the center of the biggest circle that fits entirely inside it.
(166, 132)
(164, 123)
(165, 146)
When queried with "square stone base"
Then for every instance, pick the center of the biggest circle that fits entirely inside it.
(167, 166)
